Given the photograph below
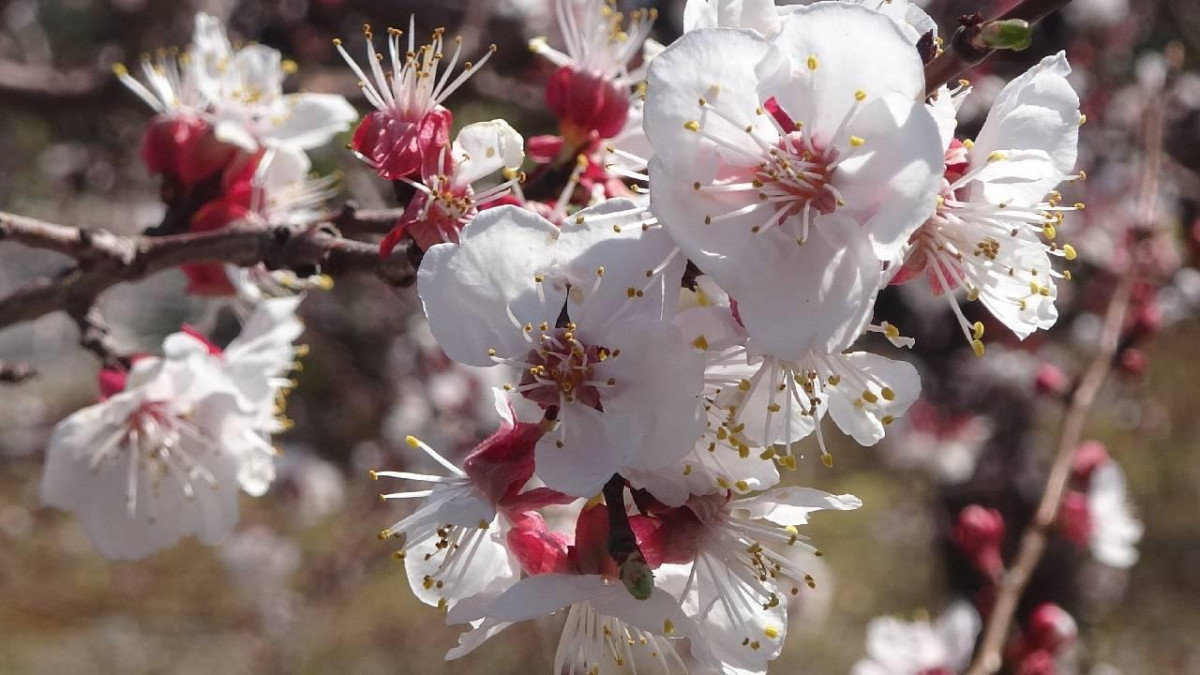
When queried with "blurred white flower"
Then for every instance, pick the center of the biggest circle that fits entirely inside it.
(896, 647)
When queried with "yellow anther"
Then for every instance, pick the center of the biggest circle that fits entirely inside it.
(812, 62)
(996, 156)
(771, 632)
(722, 483)
(691, 125)
(742, 486)
(374, 474)
(977, 330)
(599, 271)
(539, 278)
(827, 460)
(700, 343)
(860, 95)
(687, 469)
(1049, 232)
(1082, 120)
(869, 396)
(887, 419)
(977, 346)
(744, 385)
(668, 627)
(856, 141)
(412, 441)
(888, 394)
(1069, 252)
(968, 144)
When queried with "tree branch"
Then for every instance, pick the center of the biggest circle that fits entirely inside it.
(105, 259)
(964, 50)
(989, 658)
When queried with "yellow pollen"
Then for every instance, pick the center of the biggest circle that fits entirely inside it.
(771, 632)
(1069, 252)
(860, 95)
(977, 330)
(997, 156)
(412, 441)
(691, 125)
(968, 144)
(812, 62)
(856, 141)
(977, 346)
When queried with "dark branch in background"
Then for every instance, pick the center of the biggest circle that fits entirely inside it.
(105, 260)
(966, 48)
(15, 373)
(989, 657)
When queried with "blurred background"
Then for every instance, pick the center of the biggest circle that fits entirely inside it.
(304, 586)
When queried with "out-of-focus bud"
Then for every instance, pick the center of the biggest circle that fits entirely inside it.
(112, 381)
(1011, 34)
(1089, 456)
(1050, 628)
(1075, 519)
(586, 103)
(1040, 662)
(1133, 361)
(979, 533)
(1051, 380)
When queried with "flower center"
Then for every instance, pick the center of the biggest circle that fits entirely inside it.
(795, 175)
(561, 370)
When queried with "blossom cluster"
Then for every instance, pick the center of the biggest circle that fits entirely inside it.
(678, 288)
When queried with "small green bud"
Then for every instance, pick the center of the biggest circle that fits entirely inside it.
(637, 577)
(1011, 34)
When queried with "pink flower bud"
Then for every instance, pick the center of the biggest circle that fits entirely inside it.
(1074, 518)
(1089, 456)
(1051, 380)
(979, 533)
(1050, 628)
(1134, 361)
(1038, 662)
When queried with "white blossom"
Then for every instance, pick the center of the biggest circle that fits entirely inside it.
(623, 384)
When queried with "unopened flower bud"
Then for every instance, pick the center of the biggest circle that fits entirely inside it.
(1039, 662)
(637, 577)
(1051, 380)
(1133, 361)
(1050, 628)
(1089, 456)
(1074, 518)
(978, 533)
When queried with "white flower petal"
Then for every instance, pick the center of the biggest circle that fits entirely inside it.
(469, 288)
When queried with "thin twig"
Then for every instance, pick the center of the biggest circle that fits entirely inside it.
(962, 52)
(1033, 541)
